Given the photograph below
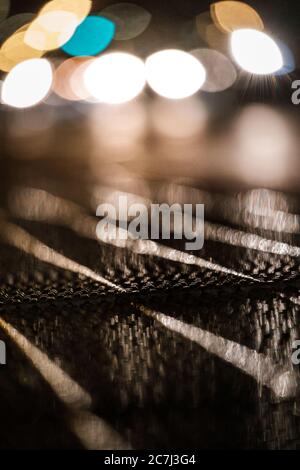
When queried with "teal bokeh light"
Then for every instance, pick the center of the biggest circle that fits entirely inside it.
(92, 36)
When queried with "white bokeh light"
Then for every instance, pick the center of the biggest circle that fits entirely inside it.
(115, 78)
(174, 74)
(256, 52)
(27, 83)
(263, 146)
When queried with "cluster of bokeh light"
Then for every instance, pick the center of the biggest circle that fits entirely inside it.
(233, 31)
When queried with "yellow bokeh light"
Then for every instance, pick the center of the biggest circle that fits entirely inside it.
(209, 33)
(51, 30)
(5, 64)
(22, 28)
(56, 23)
(231, 15)
(14, 50)
(80, 8)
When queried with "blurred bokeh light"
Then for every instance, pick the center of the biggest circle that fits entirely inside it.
(220, 72)
(91, 37)
(256, 52)
(16, 50)
(62, 79)
(182, 119)
(263, 145)
(131, 20)
(27, 84)
(115, 78)
(288, 58)
(4, 9)
(229, 16)
(50, 30)
(174, 74)
(13, 23)
(80, 8)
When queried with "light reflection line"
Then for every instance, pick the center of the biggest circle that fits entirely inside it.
(220, 233)
(237, 355)
(262, 209)
(280, 380)
(92, 431)
(65, 213)
(239, 238)
(151, 248)
(275, 220)
(16, 236)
